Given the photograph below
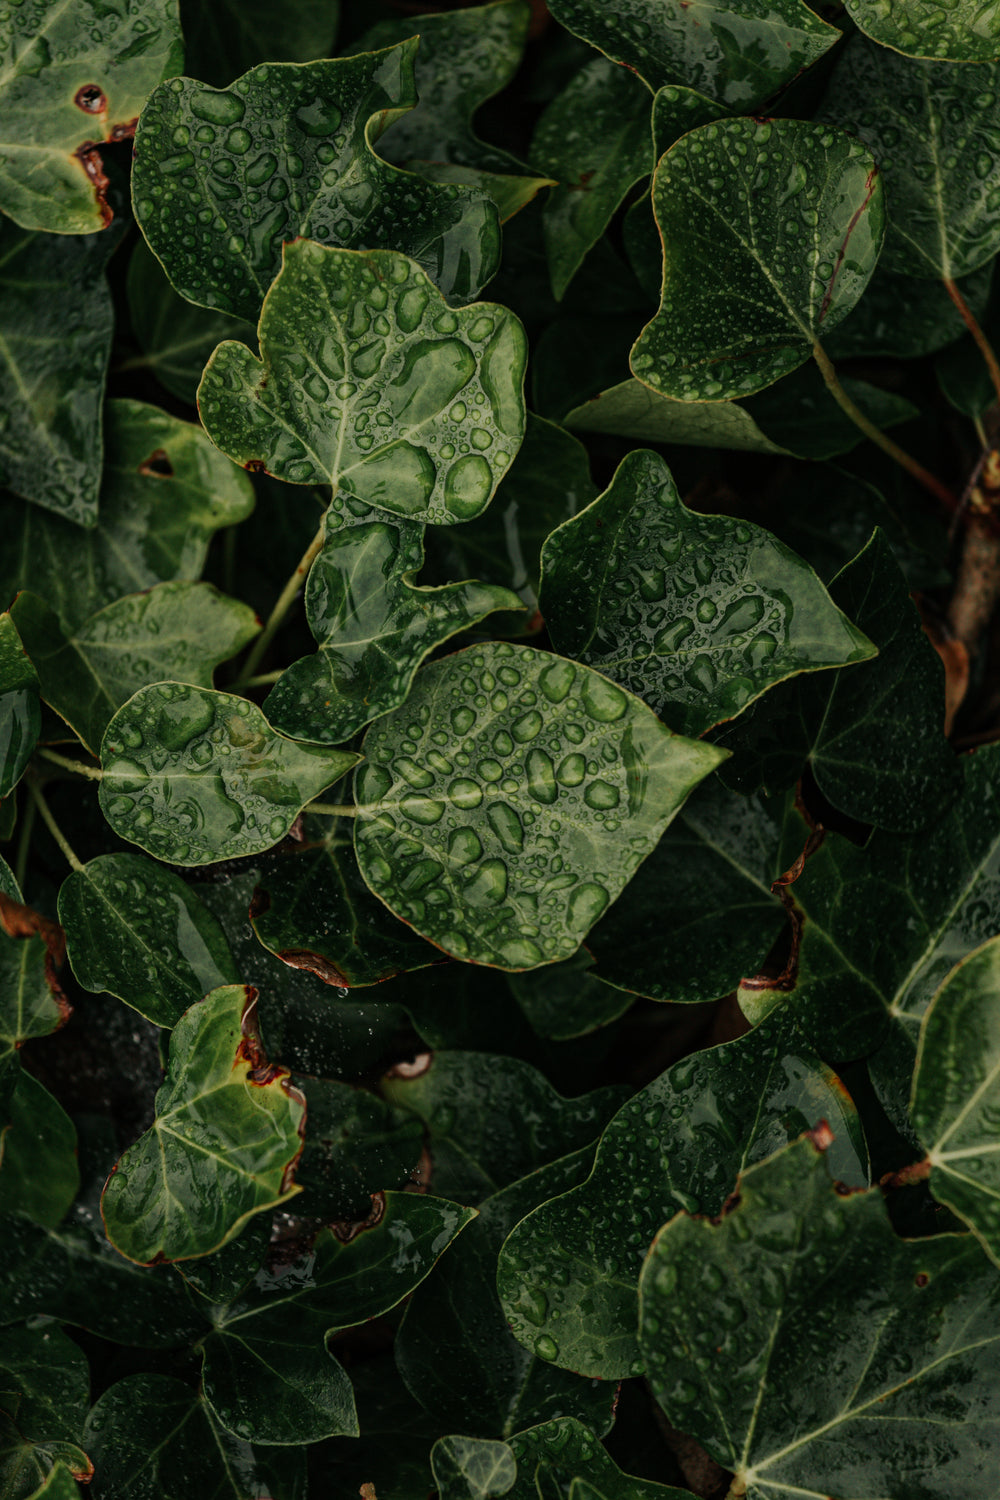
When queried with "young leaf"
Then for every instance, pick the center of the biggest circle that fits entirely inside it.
(228, 785)
(72, 76)
(569, 1273)
(20, 710)
(39, 1176)
(223, 38)
(374, 626)
(509, 779)
(223, 1146)
(828, 1343)
(963, 32)
(771, 230)
(472, 1468)
(205, 160)
(134, 929)
(696, 615)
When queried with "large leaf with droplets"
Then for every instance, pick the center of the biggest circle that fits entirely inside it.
(39, 1176)
(504, 807)
(194, 776)
(223, 38)
(216, 201)
(963, 31)
(223, 1146)
(397, 399)
(373, 625)
(165, 491)
(956, 1092)
(136, 930)
(771, 230)
(569, 1273)
(73, 74)
(177, 632)
(696, 615)
(934, 129)
(20, 709)
(809, 1349)
(737, 51)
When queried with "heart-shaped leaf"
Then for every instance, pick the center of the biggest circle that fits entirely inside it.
(374, 626)
(72, 76)
(962, 32)
(508, 781)
(39, 1176)
(20, 710)
(395, 398)
(223, 38)
(223, 1146)
(205, 160)
(472, 1468)
(783, 217)
(229, 785)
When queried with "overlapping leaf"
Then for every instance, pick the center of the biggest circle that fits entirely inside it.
(967, 31)
(567, 1000)
(906, 316)
(20, 710)
(472, 1468)
(32, 950)
(357, 1145)
(564, 1456)
(39, 1175)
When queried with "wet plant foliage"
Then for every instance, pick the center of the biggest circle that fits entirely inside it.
(499, 781)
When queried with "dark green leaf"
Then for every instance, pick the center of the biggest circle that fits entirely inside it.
(963, 32)
(906, 316)
(24, 1465)
(59, 1485)
(223, 38)
(566, 1000)
(20, 711)
(356, 1145)
(31, 952)
(223, 1275)
(39, 1176)
(562, 1457)
(800, 414)
(44, 1383)
(472, 1468)
(631, 409)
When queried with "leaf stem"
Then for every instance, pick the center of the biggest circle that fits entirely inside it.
(94, 773)
(262, 679)
(982, 342)
(284, 603)
(23, 843)
(905, 460)
(333, 809)
(52, 825)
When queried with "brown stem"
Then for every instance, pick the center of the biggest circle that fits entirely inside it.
(982, 342)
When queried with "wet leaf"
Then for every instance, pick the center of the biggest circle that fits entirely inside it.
(829, 1342)
(74, 74)
(223, 38)
(374, 626)
(382, 422)
(631, 409)
(564, 1457)
(569, 1273)
(20, 710)
(45, 1387)
(58, 1485)
(136, 930)
(472, 1468)
(223, 1146)
(202, 149)
(964, 32)
(223, 1275)
(32, 950)
(461, 844)
(356, 1145)
(566, 1000)
(794, 237)
(906, 316)
(39, 1176)
(229, 785)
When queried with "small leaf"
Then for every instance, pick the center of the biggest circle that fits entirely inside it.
(223, 38)
(24, 1465)
(383, 422)
(547, 775)
(59, 1485)
(962, 32)
(20, 710)
(563, 1457)
(329, 184)
(227, 1134)
(229, 785)
(472, 1468)
(374, 627)
(39, 1176)
(783, 214)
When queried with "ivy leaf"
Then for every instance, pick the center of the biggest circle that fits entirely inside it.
(464, 847)
(563, 1457)
(227, 1134)
(965, 32)
(904, 317)
(357, 1145)
(175, 631)
(796, 235)
(697, 615)
(568, 1276)
(72, 76)
(223, 1275)
(20, 710)
(735, 52)
(203, 151)
(565, 1000)
(229, 785)
(830, 1340)
(58, 1485)
(39, 1176)
(631, 409)
(938, 146)
(382, 421)
(25, 1465)
(223, 38)
(472, 1468)
(135, 930)
(374, 627)
(165, 492)
(46, 1386)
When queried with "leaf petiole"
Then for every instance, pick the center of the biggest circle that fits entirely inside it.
(284, 603)
(52, 825)
(333, 809)
(982, 342)
(93, 773)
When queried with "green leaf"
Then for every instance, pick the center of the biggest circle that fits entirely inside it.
(228, 785)
(165, 492)
(39, 1176)
(223, 1146)
(566, 1000)
(963, 374)
(963, 32)
(223, 1275)
(134, 929)
(71, 76)
(631, 409)
(223, 38)
(24, 1465)
(569, 1273)
(472, 1468)
(209, 153)
(697, 615)
(491, 1120)
(382, 421)
(594, 140)
(175, 631)
(801, 415)
(737, 51)
(904, 317)
(956, 1093)
(20, 710)
(357, 1145)
(771, 231)
(374, 627)
(45, 1384)
(937, 142)
(59, 1485)
(32, 950)
(562, 1457)
(831, 1343)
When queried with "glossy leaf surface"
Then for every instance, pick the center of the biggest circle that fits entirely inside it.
(227, 1134)
(631, 409)
(211, 151)
(490, 850)
(20, 711)
(347, 402)
(229, 786)
(39, 1176)
(965, 32)
(771, 231)
(562, 1453)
